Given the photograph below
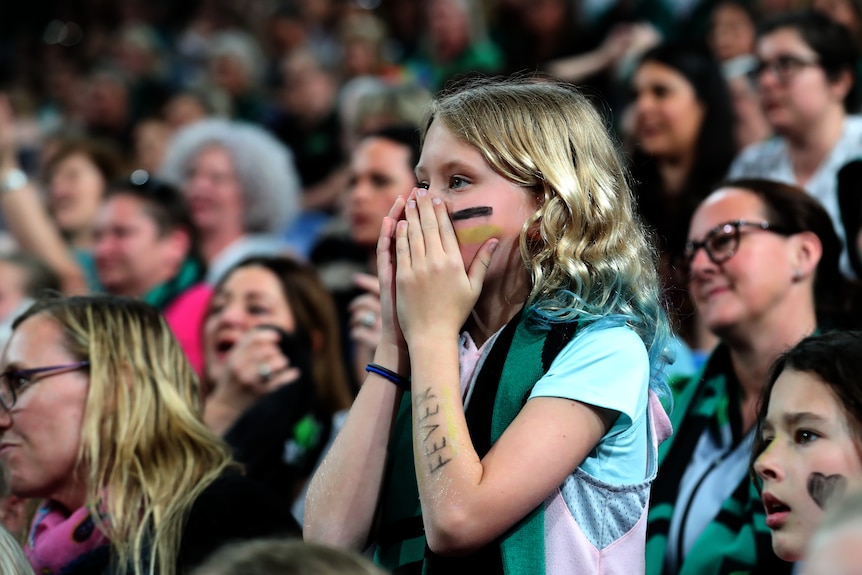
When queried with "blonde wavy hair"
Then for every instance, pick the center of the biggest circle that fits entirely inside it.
(145, 454)
(586, 250)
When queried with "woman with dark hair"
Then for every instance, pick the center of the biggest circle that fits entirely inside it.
(275, 369)
(806, 81)
(762, 261)
(683, 130)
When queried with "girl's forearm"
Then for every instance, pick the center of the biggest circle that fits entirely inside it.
(344, 493)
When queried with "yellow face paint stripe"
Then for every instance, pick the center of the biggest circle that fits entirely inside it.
(477, 234)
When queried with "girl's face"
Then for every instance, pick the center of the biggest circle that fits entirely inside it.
(812, 455)
(668, 114)
(482, 203)
(250, 297)
(794, 90)
(752, 284)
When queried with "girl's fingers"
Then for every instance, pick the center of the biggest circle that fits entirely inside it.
(447, 232)
(430, 225)
(384, 242)
(414, 228)
(402, 246)
(397, 209)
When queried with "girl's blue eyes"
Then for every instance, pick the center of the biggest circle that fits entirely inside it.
(455, 182)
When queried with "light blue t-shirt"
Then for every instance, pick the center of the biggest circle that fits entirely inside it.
(608, 368)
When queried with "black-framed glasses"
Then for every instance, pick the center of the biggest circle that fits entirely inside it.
(14, 380)
(784, 67)
(722, 241)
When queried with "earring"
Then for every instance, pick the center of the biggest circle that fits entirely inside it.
(797, 275)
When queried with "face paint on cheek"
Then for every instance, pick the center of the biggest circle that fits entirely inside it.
(476, 234)
(822, 488)
(474, 212)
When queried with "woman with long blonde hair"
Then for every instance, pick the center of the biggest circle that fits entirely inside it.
(101, 418)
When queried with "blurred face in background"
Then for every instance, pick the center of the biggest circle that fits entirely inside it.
(75, 193)
(732, 32)
(132, 254)
(380, 170)
(309, 91)
(449, 26)
(151, 141)
(668, 115)
(795, 91)
(13, 284)
(249, 297)
(184, 109)
(213, 191)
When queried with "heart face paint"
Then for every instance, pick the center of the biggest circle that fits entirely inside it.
(474, 234)
(822, 487)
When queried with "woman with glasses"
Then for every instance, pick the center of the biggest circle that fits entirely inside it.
(805, 77)
(760, 256)
(100, 418)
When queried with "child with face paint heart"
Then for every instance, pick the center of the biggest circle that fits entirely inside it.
(808, 448)
(525, 337)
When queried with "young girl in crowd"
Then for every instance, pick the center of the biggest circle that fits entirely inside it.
(522, 335)
(808, 449)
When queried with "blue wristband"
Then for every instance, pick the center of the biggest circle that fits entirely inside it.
(399, 380)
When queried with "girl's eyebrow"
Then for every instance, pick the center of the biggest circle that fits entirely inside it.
(448, 166)
(801, 417)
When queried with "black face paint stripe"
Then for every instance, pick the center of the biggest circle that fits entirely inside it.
(474, 212)
(822, 488)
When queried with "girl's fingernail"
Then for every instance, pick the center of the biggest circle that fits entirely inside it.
(411, 204)
(422, 192)
(436, 201)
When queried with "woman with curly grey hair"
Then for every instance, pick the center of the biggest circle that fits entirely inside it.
(241, 185)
